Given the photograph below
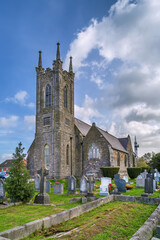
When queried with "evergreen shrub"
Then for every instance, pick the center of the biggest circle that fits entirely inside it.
(109, 171)
(133, 172)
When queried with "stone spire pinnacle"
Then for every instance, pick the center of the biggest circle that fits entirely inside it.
(40, 61)
(58, 52)
(70, 65)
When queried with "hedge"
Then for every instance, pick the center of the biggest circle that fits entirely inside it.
(133, 172)
(148, 169)
(109, 171)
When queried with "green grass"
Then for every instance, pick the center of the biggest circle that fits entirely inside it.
(115, 220)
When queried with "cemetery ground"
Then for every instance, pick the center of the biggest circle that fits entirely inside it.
(119, 218)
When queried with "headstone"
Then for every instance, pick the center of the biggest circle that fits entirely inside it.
(90, 181)
(120, 183)
(156, 175)
(140, 181)
(152, 173)
(158, 231)
(149, 185)
(144, 174)
(58, 188)
(154, 184)
(83, 185)
(71, 185)
(37, 182)
(125, 178)
(2, 192)
(48, 186)
(105, 181)
(84, 200)
(42, 197)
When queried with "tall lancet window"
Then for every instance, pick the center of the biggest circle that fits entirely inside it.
(46, 155)
(48, 95)
(65, 97)
(118, 159)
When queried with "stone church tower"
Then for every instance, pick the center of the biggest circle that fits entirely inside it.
(54, 142)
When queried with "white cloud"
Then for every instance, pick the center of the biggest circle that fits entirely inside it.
(30, 121)
(88, 110)
(9, 122)
(21, 99)
(6, 156)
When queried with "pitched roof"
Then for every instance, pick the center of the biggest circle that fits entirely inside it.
(124, 142)
(6, 163)
(113, 141)
(82, 126)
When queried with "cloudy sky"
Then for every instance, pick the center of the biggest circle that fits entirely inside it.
(115, 47)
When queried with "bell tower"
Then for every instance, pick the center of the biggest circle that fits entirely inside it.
(54, 135)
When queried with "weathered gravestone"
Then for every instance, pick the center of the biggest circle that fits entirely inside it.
(105, 181)
(120, 183)
(58, 188)
(2, 192)
(149, 184)
(91, 174)
(90, 182)
(71, 185)
(37, 182)
(125, 178)
(83, 185)
(156, 175)
(48, 186)
(144, 174)
(42, 197)
(140, 181)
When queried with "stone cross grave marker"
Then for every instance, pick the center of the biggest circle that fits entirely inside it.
(37, 182)
(42, 197)
(90, 182)
(120, 183)
(71, 185)
(83, 185)
(2, 192)
(105, 181)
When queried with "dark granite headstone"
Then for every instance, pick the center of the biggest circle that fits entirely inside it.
(2, 192)
(71, 185)
(158, 231)
(120, 183)
(152, 173)
(148, 185)
(117, 176)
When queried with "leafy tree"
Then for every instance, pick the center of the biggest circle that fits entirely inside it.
(141, 162)
(155, 162)
(16, 185)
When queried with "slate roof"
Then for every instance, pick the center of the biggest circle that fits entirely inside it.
(113, 141)
(6, 164)
(124, 142)
(82, 126)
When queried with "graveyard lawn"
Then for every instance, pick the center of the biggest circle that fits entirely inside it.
(115, 220)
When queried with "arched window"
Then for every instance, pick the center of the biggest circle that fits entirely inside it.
(125, 160)
(118, 159)
(77, 141)
(67, 154)
(65, 97)
(134, 162)
(48, 95)
(46, 155)
(94, 152)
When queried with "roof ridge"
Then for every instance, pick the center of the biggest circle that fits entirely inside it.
(83, 122)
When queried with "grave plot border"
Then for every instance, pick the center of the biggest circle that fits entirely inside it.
(144, 233)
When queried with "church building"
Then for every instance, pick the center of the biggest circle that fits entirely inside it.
(66, 145)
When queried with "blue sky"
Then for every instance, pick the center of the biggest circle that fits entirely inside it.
(116, 54)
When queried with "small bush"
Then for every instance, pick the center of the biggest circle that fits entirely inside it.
(148, 169)
(109, 171)
(133, 172)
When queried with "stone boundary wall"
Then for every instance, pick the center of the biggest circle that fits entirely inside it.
(144, 233)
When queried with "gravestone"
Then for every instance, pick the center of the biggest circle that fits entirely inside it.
(2, 192)
(152, 173)
(90, 182)
(156, 175)
(126, 179)
(91, 174)
(42, 197)
(105, 181)
(37, 182)
(58, 188)
(148, 185)
(140, 181)
(83, 185)
(144, 174)
(71, 185)
(120, 183)
(48, 186)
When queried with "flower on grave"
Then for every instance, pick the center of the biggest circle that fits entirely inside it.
(57, 182)
(129, 186)
(110, 187)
